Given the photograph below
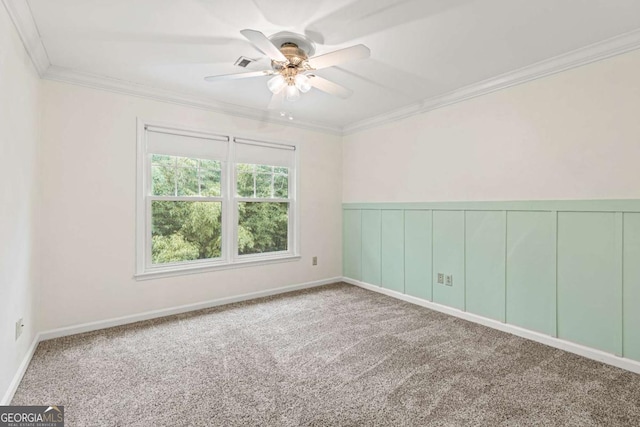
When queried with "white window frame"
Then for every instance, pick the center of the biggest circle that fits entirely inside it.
(229, 250)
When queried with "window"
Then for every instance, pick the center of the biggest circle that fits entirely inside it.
(262, 199)
(210, 201)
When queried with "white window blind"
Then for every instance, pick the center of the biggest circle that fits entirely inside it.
(199, 146)
(263, 153)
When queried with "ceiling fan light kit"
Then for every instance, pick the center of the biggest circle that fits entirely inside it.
(293, 94)
(292, 65)
(276, 84)
(303, 83)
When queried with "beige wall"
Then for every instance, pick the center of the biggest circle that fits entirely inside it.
(88, 205)
(574, 135)
(19, 116)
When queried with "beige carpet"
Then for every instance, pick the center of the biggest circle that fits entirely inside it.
(336, 355)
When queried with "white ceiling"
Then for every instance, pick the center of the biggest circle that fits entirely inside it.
(420, 49)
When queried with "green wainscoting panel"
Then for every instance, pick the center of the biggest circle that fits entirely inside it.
(485, 247)
(393, 250)
(566, 268)
(589, 280)
(371, 249)
(417, 250)
(352, 244)
(448, 257)
(531, 271)
(631, 325)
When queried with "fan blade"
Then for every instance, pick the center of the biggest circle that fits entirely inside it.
(237, 76)
(329, 87)
(276, 101)
(264, 44)
(341, 56)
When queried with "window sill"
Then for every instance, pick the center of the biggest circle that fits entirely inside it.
(197, 269)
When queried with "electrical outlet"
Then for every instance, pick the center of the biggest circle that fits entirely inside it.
(19, 327)
(441, 278)
(448, 280)
(314, 260)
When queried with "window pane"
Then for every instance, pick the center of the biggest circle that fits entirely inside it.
(185, 231)
(209, 182)
(183, 176)
(264, 169)
(281, 186)
(187, 181)
(245, 176)
(262, 227)
(159, 159)
(262, 181)
(186, 162)
(263, 185)
(281, 170)
(163, 180)
(209, 164)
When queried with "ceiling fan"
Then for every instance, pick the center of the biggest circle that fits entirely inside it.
(293, 66)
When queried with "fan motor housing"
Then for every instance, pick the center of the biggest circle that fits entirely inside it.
(294, 54)
(295, 47)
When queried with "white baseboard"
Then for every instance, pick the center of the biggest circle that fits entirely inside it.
(8, 396)
(588, 352)
(103, 324)
(118, 321)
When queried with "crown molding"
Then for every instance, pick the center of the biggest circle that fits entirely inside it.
(20, 13)
(23, 20)
(95, 81)
(595, 52)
